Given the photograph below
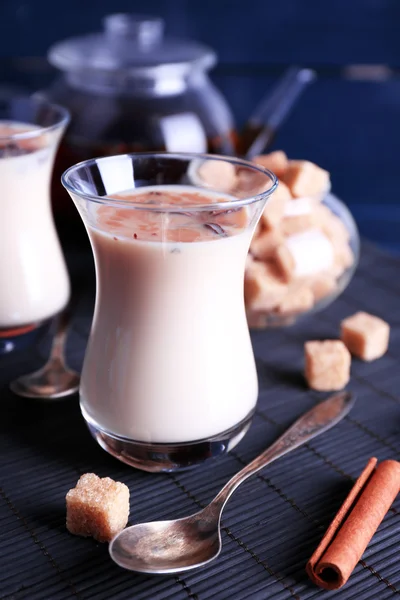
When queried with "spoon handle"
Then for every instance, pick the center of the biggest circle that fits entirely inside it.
(272, 111)
(62, 324)
(58, 344)
(317, 420)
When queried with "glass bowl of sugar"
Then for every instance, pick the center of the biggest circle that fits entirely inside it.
(299, 260)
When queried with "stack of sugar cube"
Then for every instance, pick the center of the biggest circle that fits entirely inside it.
(300, 248)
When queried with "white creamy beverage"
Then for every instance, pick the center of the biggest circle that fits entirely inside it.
(169, 357)
(34, 283)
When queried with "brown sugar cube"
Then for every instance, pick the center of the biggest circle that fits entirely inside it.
(275, 208)
(263, 288)
(97, 507)
(338, 234)
(298, 299)
(263, 246)
(291, 225)
(327, 365)
(284, 262)
(237, 219)
(217, 174)
(282, 191)
(245, 184)
(322, 214)
(304, 178)
(343, 257)
(336, 231)
(322, 285)
(330, 224)
(277, 162)
(250, 183)
(365, 336)
(299, 216)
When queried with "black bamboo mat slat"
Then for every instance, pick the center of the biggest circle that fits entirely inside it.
(273, 522)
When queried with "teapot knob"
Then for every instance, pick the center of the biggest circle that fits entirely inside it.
(145, 31)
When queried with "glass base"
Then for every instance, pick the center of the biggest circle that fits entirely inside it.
(157, 458)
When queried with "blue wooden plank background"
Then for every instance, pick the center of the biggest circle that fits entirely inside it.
(255, 31)
(350, 127)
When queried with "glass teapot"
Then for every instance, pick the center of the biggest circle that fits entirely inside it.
(130, 89)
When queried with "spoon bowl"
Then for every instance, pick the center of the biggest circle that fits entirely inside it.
(52, 381)
(165, 547)
(55, 379)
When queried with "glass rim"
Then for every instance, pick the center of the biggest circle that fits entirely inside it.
(225, 205)
(63, 120)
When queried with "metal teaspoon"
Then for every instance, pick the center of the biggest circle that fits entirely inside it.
(163, 547)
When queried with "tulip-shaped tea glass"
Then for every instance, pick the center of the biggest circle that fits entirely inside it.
(169, 376)
(34, 283)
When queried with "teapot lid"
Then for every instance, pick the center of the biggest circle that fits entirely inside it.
(130, 43)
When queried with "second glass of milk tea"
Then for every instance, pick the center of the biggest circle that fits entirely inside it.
(34, 282)
(169, 377)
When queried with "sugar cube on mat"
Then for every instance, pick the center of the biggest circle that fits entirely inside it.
(97, 507)
(327, 365)
(365, 336)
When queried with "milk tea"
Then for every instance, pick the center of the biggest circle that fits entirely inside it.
(169, 358)
(34, 283)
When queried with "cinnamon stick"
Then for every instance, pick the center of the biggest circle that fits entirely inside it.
(354, 525)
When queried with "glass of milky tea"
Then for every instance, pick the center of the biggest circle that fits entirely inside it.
(34, 283)
(169, 377)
